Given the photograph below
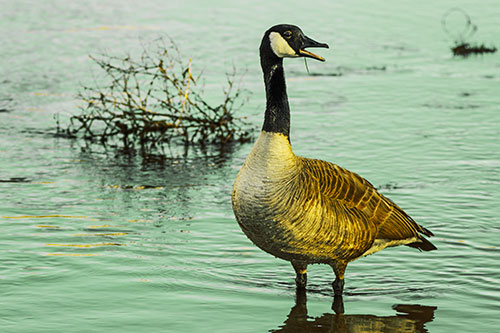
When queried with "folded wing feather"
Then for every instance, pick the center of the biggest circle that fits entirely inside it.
(356, 192)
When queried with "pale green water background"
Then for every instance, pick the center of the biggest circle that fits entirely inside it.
(84, 249)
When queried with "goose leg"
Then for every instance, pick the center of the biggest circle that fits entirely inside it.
(301, 271)
(338, 304)
(338, 286)
(339, 270)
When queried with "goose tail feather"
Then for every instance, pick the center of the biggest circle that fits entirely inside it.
(423, 245)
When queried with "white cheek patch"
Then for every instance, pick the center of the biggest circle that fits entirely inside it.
(280, 46)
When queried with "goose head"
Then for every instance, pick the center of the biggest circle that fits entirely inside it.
(288, 41)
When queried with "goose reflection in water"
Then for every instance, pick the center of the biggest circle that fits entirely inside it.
(410, 318)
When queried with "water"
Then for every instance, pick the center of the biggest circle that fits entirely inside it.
(95, 241)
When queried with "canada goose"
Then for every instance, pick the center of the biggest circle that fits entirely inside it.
(304, 210)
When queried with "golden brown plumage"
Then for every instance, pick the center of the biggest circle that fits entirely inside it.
(350, 190)
(305, 210)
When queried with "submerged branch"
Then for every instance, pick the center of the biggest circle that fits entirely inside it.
(461, 46)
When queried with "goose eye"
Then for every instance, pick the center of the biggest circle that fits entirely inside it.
(287, 34)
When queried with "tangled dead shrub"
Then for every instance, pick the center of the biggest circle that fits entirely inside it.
(155, 99)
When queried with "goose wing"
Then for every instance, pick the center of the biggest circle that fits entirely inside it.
(358, 194)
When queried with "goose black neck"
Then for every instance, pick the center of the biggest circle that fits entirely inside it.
(277, 116)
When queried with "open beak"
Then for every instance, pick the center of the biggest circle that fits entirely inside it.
(308, 42)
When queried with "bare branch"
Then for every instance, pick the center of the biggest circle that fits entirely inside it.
(155, 99)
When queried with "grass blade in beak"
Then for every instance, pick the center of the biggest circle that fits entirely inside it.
(305, 53)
